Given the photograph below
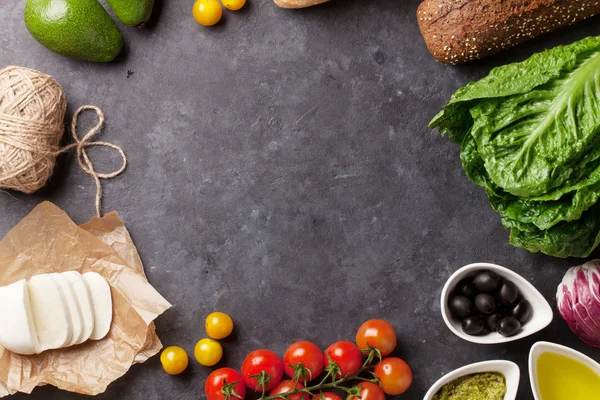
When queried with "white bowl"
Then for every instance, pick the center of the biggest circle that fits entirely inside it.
(542, 312)
(509, 369)
(546, 347)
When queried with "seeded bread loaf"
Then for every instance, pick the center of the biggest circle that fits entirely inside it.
(298, 3)
(458, 31)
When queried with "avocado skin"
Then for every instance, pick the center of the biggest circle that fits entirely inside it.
(132, 12)
(80, 29)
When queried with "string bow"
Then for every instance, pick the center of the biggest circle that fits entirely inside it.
(82, 156)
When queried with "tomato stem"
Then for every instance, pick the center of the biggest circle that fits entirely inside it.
(325, 378)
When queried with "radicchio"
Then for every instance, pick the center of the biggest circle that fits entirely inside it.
(578, 301)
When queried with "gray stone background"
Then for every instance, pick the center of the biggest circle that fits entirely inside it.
(281, 170)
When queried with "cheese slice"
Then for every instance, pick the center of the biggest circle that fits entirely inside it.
(50, 313)
(72, 305)
(17, 329)
(84, 304)
(101, 299)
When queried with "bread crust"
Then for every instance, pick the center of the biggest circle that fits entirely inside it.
(298, 3)
(458, 31)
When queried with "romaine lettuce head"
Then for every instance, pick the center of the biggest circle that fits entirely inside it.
(530, 136)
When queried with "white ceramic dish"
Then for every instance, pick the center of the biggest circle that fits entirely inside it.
(542, 312)
(510, 370)
(546, 347)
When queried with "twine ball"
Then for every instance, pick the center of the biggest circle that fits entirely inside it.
(32, 110)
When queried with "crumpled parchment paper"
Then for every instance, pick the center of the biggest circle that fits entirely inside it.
(46, 241)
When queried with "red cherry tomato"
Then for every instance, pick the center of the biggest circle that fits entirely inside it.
(288, 386)
(222, 382)
(327, 396)
(306, 353)
(377, 333)
(395, 375)
(262, 362)
(369, 391)
(346, 355)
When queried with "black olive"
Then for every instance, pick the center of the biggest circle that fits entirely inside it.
(508, 293)
(473, 325)
(492, 321)
(485, 303)
(487, 281)
(522, 311)
(509, 326)
(460, 306)
(504, 309)
(466, 288)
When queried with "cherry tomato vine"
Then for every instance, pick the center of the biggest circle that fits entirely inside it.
(316, 375)
(331, 380)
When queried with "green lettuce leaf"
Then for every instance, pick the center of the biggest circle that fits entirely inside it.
(568, 239)
(519, 211)
(536, 142)
(508, 80)
(530, 136)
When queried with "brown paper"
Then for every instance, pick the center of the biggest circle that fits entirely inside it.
(47, 240)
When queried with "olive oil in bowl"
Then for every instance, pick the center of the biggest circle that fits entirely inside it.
(563, 378)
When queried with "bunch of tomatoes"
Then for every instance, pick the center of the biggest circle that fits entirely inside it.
(209, 12)
(344, 367)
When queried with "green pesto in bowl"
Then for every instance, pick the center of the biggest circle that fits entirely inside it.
(482, 386)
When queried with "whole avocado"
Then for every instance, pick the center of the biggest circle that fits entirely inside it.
(80, 29)
(132, 12)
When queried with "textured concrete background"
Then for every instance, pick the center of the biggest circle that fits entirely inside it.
(281, 170)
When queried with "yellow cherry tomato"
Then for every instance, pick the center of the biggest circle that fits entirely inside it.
(207, 12)
(174, 360)
(219, 325)
(233, 5)
(208, 352)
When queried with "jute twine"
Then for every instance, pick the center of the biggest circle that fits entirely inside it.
(32, 109)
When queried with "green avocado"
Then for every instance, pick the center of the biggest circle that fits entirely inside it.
(80, 29)
(132, 12)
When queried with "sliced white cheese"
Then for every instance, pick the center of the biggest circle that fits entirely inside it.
(101, 298)
(17, 329)
(50, 313)
(84, 303)
(74, 314)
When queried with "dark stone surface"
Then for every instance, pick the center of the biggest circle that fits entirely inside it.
(281, 170)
